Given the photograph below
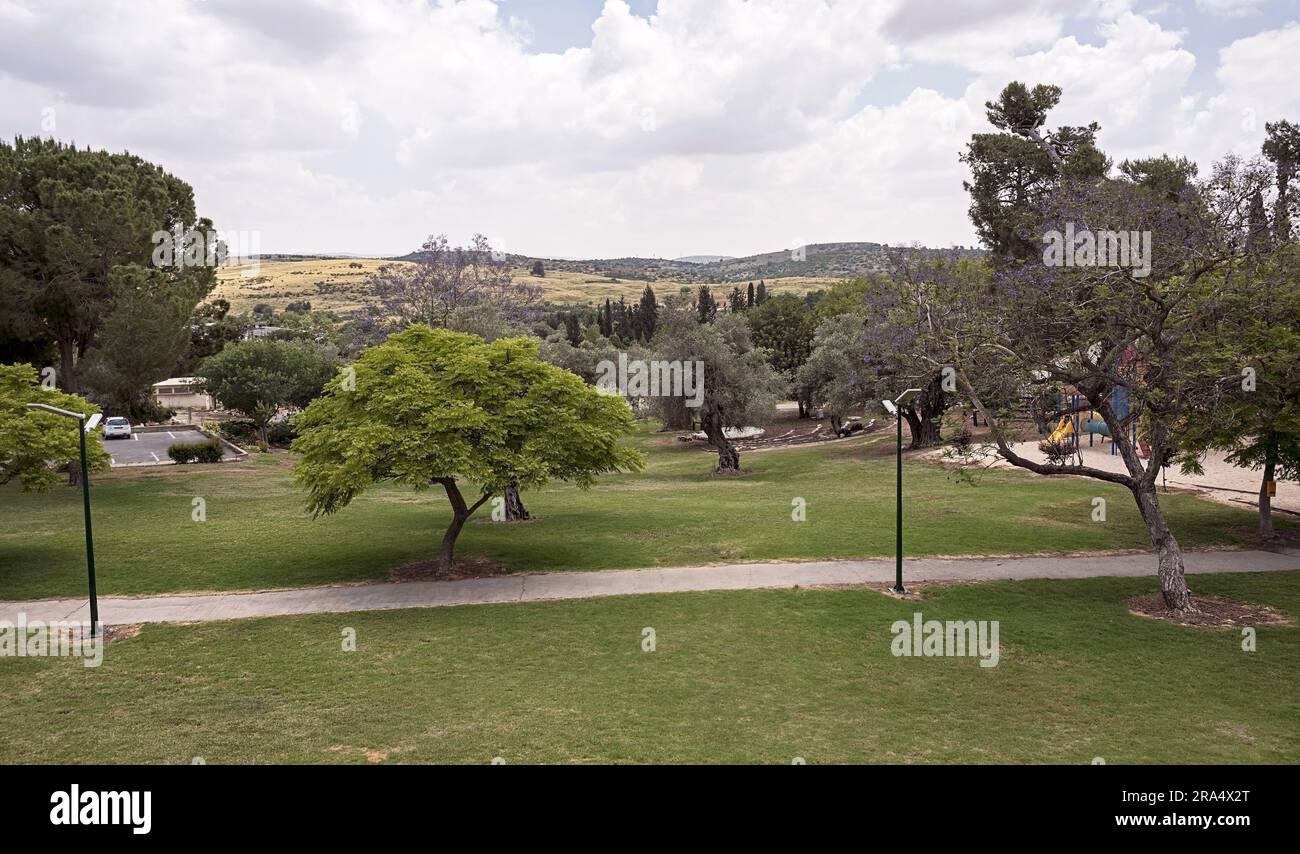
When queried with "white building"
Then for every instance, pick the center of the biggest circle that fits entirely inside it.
(182, 393)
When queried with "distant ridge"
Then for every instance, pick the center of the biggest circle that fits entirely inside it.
(703, 259)
(816, 260)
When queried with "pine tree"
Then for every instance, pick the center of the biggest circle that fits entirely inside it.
(606, 319)
(736, 302)
(649, 313)
(622, 328)
(706, 307)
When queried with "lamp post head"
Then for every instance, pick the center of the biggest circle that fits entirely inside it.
(45, 407)
(906, 396)
(889, 407)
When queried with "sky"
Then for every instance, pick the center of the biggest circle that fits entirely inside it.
(609, 128)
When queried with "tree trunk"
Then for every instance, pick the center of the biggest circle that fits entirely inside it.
(446, 555)
(1266, 500)
(67, 379)
(460, 512)
(1173, 581)
(837, 424)
(728, 456)
(924, 430)
(515, 510)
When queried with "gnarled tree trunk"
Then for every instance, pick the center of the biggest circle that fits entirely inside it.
(924, 430)
(515, 510)
(923, 415)
(728, 456)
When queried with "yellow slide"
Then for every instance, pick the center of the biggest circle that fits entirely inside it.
(1064, 430)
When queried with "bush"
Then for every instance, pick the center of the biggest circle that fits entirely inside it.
(210, 451)
(243, 432)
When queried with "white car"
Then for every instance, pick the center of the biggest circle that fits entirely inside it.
(117, 428)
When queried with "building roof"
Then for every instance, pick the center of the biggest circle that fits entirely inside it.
(180, 381)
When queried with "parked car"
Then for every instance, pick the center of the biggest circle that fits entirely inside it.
(117, 428)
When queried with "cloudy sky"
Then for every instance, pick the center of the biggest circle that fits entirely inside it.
(600, 128)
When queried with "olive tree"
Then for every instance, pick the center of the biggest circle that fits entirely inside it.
(739, 386)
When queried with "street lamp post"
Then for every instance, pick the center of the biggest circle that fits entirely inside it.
(895, 408)
(85, 425)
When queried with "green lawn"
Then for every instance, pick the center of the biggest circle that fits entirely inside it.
(748, 676)
(257, 534)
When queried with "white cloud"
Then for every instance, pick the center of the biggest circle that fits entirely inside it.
(711, 126)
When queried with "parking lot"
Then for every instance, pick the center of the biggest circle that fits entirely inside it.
(151, 448)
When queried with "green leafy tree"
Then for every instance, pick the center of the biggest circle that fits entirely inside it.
(35, 445)
(835, 376)
(783, 328)
(257, 378)
(847, 297)
(438, 408)
(1255, 347)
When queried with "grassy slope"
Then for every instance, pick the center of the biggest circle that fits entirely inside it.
(750, 676)
(333, 285)
(257, 534)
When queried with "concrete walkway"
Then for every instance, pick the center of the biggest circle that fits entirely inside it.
(200, 607)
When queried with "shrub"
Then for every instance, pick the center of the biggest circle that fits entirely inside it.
(210, 451)
(241, 431)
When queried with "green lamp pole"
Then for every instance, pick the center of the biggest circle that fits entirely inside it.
(84, 426)
(895, 408)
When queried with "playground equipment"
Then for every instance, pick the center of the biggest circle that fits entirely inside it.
(1077, 420)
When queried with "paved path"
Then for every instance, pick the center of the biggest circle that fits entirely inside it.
(616, 582)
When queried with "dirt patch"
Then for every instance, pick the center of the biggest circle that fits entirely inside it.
(1213, 612)
(1280, 541)
(122, 632)
(785, 434)
(466, 567)
(374, 756)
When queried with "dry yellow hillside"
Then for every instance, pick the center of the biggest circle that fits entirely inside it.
(339, 284)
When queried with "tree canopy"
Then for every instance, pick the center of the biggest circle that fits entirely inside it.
(68, 218)
(433, 407)
(35, 445)
(256, 378)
